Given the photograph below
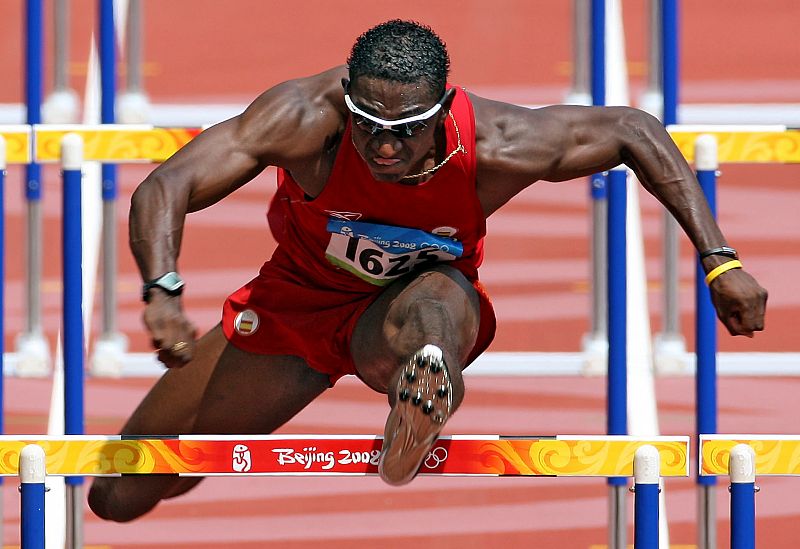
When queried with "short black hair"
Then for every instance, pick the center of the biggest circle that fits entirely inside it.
(401, 51)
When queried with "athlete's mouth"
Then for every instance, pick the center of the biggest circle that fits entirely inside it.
(380, 161)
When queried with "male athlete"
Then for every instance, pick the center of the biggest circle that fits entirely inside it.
(386, 177)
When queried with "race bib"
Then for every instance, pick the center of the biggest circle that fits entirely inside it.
(380, 253)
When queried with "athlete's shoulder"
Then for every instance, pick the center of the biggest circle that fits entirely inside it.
(296, 117)
(317, 95)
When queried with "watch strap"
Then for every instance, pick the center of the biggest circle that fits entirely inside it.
(170, 283)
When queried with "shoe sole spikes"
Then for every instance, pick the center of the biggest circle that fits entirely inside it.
(423, 405)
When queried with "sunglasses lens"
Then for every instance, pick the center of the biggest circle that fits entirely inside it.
(366, 125)
(411, 129)
(408, 129)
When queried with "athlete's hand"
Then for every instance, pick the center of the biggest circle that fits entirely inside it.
(173, 335)
(740, 302)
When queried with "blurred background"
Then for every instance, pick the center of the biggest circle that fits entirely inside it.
(205, 60)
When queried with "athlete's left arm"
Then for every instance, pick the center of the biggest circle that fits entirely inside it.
(518, 146)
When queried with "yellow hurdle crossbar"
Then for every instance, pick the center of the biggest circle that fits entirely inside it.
(775, 454)
(742, 144)
(234, 455)
(144, 143)
(18, 143)
(113, 143)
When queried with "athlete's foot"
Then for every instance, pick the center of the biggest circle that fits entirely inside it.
(424, 402)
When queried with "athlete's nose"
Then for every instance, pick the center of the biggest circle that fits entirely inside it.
(388, 145)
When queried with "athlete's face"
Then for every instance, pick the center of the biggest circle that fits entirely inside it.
(392, 151)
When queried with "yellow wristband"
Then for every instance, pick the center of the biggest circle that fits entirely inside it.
(725, 267)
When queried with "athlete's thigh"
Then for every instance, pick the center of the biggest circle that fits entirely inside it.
(437, 306)
(226, 390)
(171, 405)
(256, 394)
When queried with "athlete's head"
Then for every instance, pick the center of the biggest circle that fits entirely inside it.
(396, 96)
(401, 51)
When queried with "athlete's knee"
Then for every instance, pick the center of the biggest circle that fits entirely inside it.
(441, 279)
(430, 320)
(443, 284)
(108, 501)
(446, 296)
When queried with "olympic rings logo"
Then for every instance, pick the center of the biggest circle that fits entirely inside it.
(435, 246)
(435, 458)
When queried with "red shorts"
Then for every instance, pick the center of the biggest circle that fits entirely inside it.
(279, 313)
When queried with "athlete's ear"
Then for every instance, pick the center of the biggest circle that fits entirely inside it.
(346, 85)
(449, 95)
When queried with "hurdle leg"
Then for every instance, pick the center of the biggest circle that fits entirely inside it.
(580, 94)
(62, 105)
(617, 393)
(742, 470)
(617, 514)
(133, 105)
(71, 161)
(32, 346)
(706, 164)
(595, 344)
(74, 512)
(646, 471)
(31, 475)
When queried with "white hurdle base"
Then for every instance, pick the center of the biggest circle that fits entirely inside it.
(32, 358)
(670, 356)
(526, 364)
(110, 356)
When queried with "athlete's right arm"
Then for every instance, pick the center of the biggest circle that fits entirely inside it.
(285, 126)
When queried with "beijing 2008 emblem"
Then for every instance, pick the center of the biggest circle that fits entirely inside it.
(242, 462)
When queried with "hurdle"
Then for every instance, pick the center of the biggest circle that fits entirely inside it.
(707, 146)
(62, 106)
(646, 459)
(743, 457)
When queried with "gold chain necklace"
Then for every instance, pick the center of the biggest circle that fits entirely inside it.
(458, 148)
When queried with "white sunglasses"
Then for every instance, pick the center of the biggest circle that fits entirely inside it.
(404, 127)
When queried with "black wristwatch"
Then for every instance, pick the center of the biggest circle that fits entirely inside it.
(171, 283)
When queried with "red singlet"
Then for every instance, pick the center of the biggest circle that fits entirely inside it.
(338, 251)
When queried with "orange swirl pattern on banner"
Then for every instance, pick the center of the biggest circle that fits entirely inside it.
(592, 457)
(775, 455)
(18, 144)
(746, 146)
(115, 143)
(268, 455)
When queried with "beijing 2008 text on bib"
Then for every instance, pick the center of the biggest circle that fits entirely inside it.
(379, 254)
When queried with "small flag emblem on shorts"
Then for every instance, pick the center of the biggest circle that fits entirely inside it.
(246, 322)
